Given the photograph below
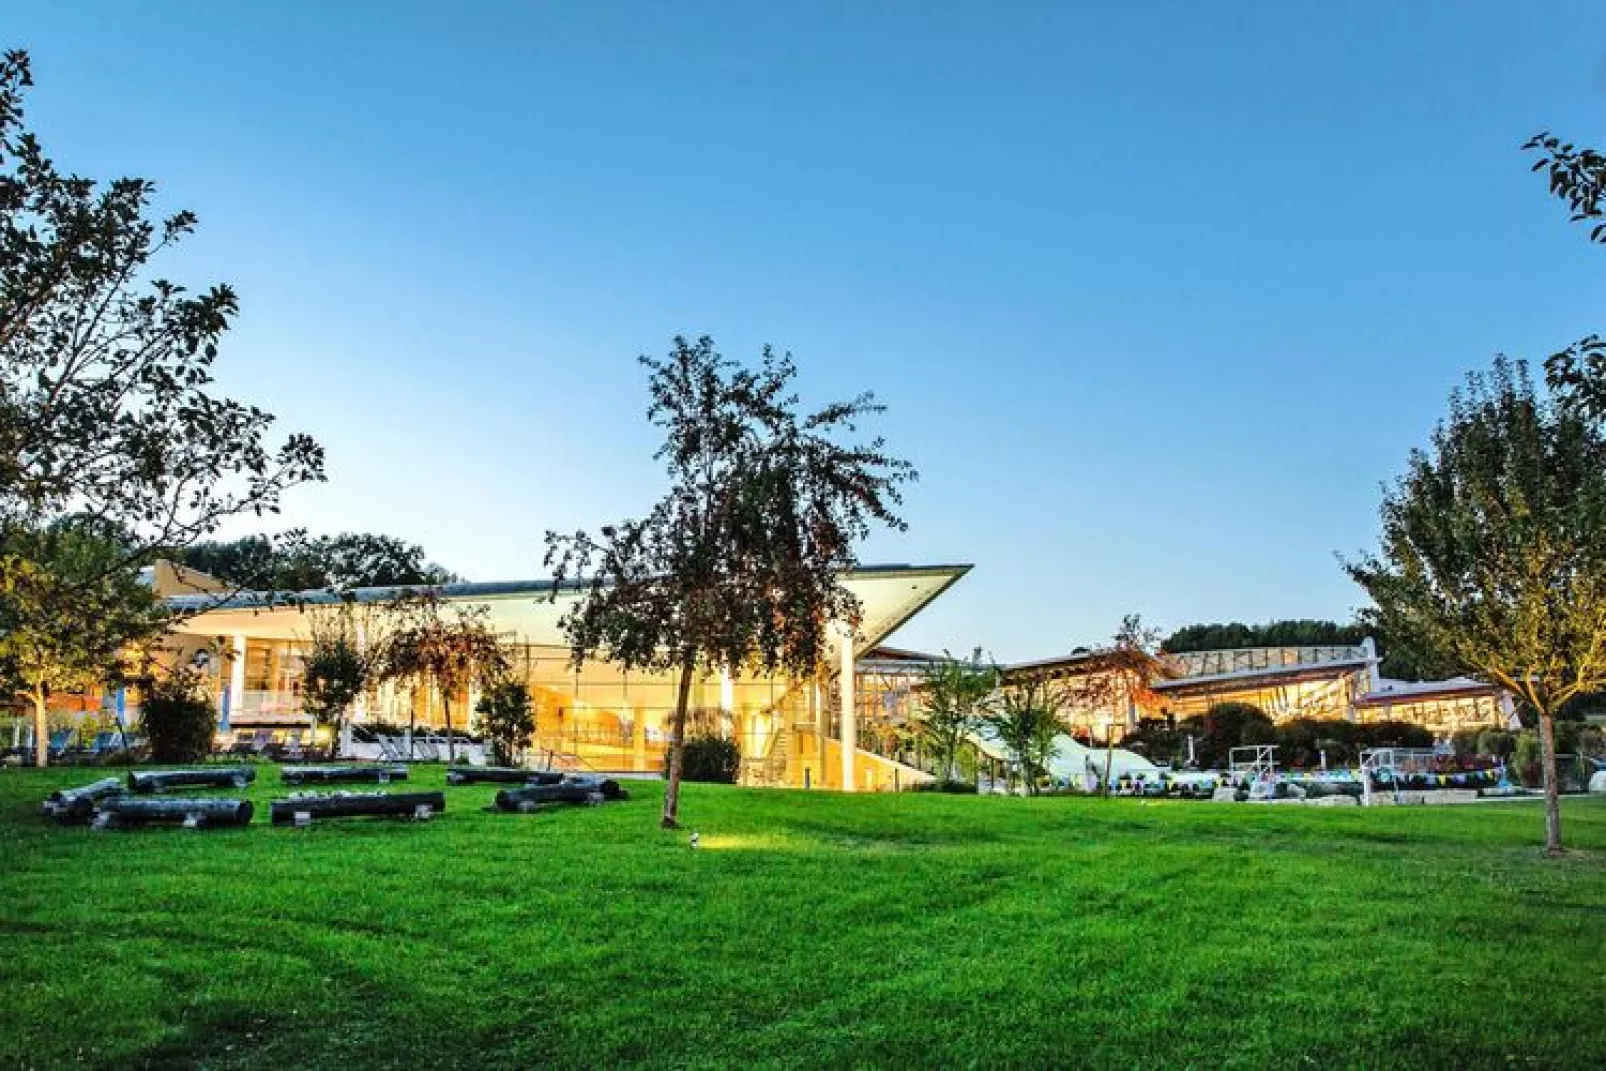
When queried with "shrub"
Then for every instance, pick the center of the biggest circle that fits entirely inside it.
(507, 720)
(1497, 742)
(179, 720)
(1158, 740)
(956, 788)
(1301, 742)
(711, 759)
(1393, 734)
(1226, 726)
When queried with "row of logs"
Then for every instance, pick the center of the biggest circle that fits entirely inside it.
(104, 802)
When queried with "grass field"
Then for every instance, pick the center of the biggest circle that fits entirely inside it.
(808, 929)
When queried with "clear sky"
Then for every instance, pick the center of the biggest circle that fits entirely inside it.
(1159, 294)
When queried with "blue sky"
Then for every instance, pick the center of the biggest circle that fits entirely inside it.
(1158, 294)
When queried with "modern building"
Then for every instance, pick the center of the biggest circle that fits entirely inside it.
(1108, 697)
(794, 732)
(1341, 682)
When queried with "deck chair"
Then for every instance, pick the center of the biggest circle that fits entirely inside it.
(60, 742)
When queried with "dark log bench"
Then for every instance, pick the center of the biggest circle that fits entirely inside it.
(357, 805)
(500, 775)
(78, 804)
(194, 813)
(328, 775)
(216, 777)
(573, 790)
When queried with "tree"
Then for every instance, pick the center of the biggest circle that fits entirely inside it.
(1577, 176)
(953, 701)
(1493, 549)
(1026, 721)
(346, 654)
(738, 564)
(106, 407)
(445, 645)
(507, 719)
(67, 618)
(1117, 681)
(1294, 633)
(296, 562)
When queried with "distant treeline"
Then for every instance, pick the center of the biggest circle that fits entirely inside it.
(1298, 633)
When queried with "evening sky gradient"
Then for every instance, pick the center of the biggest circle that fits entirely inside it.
(1158, 294)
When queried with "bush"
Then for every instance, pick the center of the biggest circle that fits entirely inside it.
(507, 720)
(1497, 742)
(712, 759)
(1393, 734)
(178, 721)
(1301, 742)
(956, 788)
(1158, 740)
(1226, 726)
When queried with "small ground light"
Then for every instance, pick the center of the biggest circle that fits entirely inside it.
(696, 839)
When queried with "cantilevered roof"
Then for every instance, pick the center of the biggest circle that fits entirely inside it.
(1391, 692)
(888, 594)
(1271, 674)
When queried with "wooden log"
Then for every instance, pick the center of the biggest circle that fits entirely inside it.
(215, 777)
(500, 775)
(606, 785)
(367, 774)
(357, 805)
(195, 812)
(78, 804)
(531, 796)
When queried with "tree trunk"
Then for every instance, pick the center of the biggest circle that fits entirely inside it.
(677, 744)
(412, 720)
(1547, 748)
(1109, 763)
(41, 727)
(446, 708)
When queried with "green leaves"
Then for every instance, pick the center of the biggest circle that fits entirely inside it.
(106, 371)
(738, 562)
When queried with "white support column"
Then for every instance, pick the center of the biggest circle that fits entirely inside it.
(237, 678)
(850, 714)
(727, 700)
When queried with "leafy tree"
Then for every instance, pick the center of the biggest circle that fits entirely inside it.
(106, 403)
(1118, 681)
(1292, 633)
(447, 645)
(953, 698)
(1577, 176)
(1026, 720)
(178, 717)
(507, 719)
(1493, 549)
(296, 562)
(346, 654)
(738, 564)
(67, 617)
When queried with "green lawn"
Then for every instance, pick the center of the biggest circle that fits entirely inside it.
(808, 929)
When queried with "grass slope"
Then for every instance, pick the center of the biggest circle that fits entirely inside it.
(809, 929)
